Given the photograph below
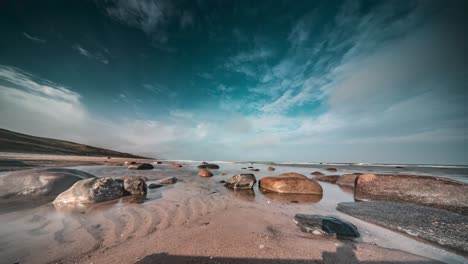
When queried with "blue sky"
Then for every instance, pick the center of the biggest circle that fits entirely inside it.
(342, 81)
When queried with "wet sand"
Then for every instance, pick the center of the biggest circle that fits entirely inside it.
(198, 220)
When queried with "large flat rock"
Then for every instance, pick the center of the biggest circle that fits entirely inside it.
(444, 228)
(423, 190)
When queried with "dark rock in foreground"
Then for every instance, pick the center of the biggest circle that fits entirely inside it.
(325, 225)
(438, 226)
(40, 182)
(423, 190)
(208, 166)
(241, 182)
(142, 166)
(326, 178)
(92, 190)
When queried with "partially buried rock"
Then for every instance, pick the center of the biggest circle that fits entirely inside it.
(290, 185)
(241, 182)
(347, 180)
(271, 169)
(327, 178)
(331, 169)
(154, 186)
(129, 162)
(40, 182)
(142, 166)
(92, 190)
(204, 163)
(293, 175)
(208, 166)
(166, 181)
(133, 185)
(176, 165)
(205, 173)
(325, 225)
(317, 173)
(423, 190)
(254, 169)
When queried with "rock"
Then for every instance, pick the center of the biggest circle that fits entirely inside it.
(327, 178)
(423, 190)
(244, 168)
(134, 186)
(108, 157)
(120, 179)
(223, 181)
(223, 174)
(254, 170)
(438, 226)
(325, 225)
(347, 180)
(166, 181)
(40, 182)
(126, 163)
(331, 169)
(250, 167)
(141, 166)
(208, 166)
(293, 175)
(290, 185)
(271, 169)
(285, 198)
(92, 190)
(154, 186)
(205, 173)
(241, 182)
(317, 173)
(176, 165)
(204, 163)
(157, 162)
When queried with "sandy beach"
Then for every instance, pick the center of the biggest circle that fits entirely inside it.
(196, 220)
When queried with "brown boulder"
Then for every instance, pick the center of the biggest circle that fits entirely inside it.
(317, 173)
(176, 165)
(331, 169)
(327, 178)
(347, 180)
(271, 169)
(293, 175)
(166, 181)
(205, 173)
(423, 190)
(290, 185)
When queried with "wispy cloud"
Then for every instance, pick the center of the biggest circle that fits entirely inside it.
(94, 56)
(33, 38)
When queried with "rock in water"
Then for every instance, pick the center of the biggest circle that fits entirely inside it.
(166, 181)
(208, 166)
(325, 225)
(317, 173)
(331, 169)
(442, 227)
(241, 182)
(133, 185)
(423, 190)
(205, 173)
(204, 163)
(40, 182)
(294, 175)
(327, 178)
(92, 190)
(142, 166)
(347, 180)
(157, 162)
(271, 169)
(126, 163)
(176, 165)
(154, 186)
(290, 185)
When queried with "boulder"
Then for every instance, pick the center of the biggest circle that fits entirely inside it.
(271, 169)
(287, 198)
(204, 163)
(241, 182)
(92, 190)
(176, 165)
(166, 181)
(133, 185)
(154, 186)
(126, 163)
(290, 185)
(208, 166)
(331, 169)
(205, 173)
(423, 190)
(317, 173)
(347, 180)
(444, 228)
(293, 175)
(40, 182)
(141, 166)
(327, 178)
(325, 225)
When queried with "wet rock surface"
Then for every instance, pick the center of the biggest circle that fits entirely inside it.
(445, 228)
(205, 173)
(241, 182)
(92, 190)
(40, 182)
(347, 180)
(166, 181)
(208, 166)
(142, 166)
(271, 169)
(134, 186)
(327, 178)
(316, 173)
(423, 190)
(325, 225)
(290, 185)
(176, 165)
(293, 175)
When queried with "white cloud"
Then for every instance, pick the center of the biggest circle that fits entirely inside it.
(33, 38)
(97, 56)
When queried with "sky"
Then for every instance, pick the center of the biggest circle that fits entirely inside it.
(332, 81)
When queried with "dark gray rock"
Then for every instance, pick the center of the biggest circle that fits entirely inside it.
(208, 166)
(241, 182)
(142, 166)
(166, 181)
(155, 186)
(92, 190)
(423, 190)
(326, 225)
(438, 226)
